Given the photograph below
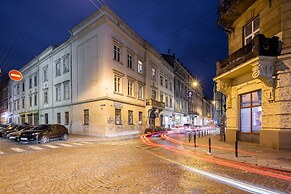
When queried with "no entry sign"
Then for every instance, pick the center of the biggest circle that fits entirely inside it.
(15, 75)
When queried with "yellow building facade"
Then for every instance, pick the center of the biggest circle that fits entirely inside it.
(256, 76)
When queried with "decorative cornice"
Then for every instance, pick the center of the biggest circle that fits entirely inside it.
(264, 70)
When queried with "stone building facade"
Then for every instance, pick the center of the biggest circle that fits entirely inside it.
(255, 77)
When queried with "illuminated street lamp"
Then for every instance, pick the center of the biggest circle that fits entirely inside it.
(195, 83)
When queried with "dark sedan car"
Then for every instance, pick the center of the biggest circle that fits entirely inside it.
(7, 128)
(43, 133)
(16, 134)
(18, 128)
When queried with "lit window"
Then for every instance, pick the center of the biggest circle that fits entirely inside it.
(140, 91)
(117, 84)
(86, 117)
(130, 117)
(118, 116)
(116, 53)
(139, 67)
(130, 88)
(251, 30)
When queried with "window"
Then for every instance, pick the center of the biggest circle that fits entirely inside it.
(129, 61)
(30, 100)
(139, 67)
(46, 118)
(140, 91)
(116, 53)
(58, 68)
(251, 30)
(58, 92)
(23, 103)
(166, 103)
(35, 99)
(140, 118)
(251, 112)
(130, 117)
(118, 116)
(154, 94)
(117, 83)
(86, 117)
(161, 98)
(66, 90)
(66, 67)
(171, 101)
(66, 118)
(166, 83)
(23, 86)
(18, 88)
(58, 118)
(45, 76)
(14, 105)
(45, 96)
(153, 73)
(17, 104)
(171, 86)
(35, 80)
(30, 82)
(130, 88)
(161, 80)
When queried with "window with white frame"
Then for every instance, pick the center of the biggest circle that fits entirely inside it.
(117, 83)
(154, 73)
(58, 68)
(251, 30)
(66, 67)
(130, 88)
(45, 96)
(66, 90)
(140, 91)
(45, 74)
(116, 52)
(139, 67)
(129, 61)
(58, 92)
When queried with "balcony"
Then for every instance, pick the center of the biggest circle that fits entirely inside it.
(259, 46)
(230, 10)
(155, 104)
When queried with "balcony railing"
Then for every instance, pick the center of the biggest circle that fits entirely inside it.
(230, 10)
(259, 46)
(155, 103)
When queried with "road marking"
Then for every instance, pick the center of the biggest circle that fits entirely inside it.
(50, 146)
(85, 142)
(35, 147)
(17, 149)
(74, 143)
(228, 181)
(65, 145)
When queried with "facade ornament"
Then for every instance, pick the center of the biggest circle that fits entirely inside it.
(225, 88)
(264, 70)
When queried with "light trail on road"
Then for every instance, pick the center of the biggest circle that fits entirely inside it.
(222, 162)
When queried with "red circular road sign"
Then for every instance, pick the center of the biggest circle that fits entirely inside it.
(15, 75)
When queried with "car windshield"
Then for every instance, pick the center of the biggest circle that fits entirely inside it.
(41, 127)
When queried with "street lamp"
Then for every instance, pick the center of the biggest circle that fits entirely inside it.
(195, 83)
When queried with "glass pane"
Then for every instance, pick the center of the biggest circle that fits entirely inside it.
(248, 29)
(245, 120)
(256, 24)
(245, 100)
(257, 119)
(256, 98)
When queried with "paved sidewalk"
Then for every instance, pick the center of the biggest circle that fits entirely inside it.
(247, 152)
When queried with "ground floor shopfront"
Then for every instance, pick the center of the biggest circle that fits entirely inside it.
(257, 103)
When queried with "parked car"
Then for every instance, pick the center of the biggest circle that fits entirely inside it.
(43, 133)
(155, 131)
(16, 134)
(7, 128)
(18, 128)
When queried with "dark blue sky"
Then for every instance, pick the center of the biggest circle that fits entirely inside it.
(187, 27)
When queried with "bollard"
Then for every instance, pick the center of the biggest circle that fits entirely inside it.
(236, 149)
(189, 137)
(209, 141)
(195, 140)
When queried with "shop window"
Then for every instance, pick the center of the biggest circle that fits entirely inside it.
(251, 112)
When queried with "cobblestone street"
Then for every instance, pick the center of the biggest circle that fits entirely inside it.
(123, 166)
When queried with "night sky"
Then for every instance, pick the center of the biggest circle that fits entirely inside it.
(187, 27)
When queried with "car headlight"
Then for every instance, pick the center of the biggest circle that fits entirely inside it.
(37, 133)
